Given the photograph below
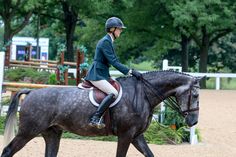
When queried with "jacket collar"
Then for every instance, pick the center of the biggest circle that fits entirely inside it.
(110, 37)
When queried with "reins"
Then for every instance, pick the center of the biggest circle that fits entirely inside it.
(171, 101)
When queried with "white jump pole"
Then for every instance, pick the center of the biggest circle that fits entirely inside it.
(193, 137)
(217, 83)
(2, 58)
(165, 64)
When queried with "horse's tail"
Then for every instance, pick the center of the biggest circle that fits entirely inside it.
(11, 118)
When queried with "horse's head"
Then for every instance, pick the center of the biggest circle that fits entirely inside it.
(163, 85)
(187, 97)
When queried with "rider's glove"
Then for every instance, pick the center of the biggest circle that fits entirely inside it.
(136, 74)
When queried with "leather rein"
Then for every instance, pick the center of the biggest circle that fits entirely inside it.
(171, 101)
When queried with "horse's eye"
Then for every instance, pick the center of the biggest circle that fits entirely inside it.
(195, 95)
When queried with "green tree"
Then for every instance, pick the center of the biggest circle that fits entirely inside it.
(222, 54)
(205, 21)
(70, 15)
(15, 16)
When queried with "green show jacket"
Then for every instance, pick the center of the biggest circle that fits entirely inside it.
(104, 57)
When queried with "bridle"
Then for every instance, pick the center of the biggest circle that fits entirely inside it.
(189, 109)
(171, 101)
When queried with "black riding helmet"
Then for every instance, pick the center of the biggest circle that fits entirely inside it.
(113, 22)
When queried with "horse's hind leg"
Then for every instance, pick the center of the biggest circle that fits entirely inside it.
(141, 145)
(52, 138)
(15, 145)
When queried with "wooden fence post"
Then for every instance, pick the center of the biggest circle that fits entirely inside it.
(66, 77)
(78, 77)
(65, 73)
(80, 59)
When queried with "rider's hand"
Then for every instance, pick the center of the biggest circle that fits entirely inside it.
(136, 74)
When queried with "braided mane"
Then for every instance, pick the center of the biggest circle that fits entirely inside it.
(166, 71)
(155, 72)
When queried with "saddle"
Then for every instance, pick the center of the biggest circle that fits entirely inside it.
(96, 96)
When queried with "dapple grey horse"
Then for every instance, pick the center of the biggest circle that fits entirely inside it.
(49, 111)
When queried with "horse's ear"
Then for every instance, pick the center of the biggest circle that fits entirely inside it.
(198, 79)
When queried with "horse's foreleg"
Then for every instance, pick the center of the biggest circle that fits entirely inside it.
(141, 145)
(123, 145)
(52, 138)
(15, 145)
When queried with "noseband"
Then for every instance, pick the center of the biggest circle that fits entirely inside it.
(172, 102)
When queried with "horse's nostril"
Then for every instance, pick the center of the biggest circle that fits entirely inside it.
(195, 123)
(185, 114)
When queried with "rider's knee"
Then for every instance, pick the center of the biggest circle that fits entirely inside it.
(115, 94)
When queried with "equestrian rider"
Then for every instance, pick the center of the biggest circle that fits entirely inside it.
(98, 73)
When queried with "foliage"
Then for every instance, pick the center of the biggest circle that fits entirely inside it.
(15, 19)
(154, 28)
(99, 138)
(52, 79)
(173, 117)
(146, 66)
(160, 134)
(84, 65)
(222, 55)
(62, 69)
(61, 48)
(226, 83)
(204, 21)
(155, 134)
(26, 74)
(6, 100)
(82, 49)
(2, 123)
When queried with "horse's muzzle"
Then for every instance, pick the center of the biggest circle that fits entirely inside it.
(191, 119)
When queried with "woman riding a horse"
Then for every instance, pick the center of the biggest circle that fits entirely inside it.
(98, 73)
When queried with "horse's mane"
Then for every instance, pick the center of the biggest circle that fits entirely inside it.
(154, 73)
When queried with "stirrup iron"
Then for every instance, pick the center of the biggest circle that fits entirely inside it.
(100, 123)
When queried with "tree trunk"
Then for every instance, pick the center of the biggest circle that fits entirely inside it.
(7, 38)
(204, 55)
(70, 29)
(185, 51)
(7, 32)
(70, 20)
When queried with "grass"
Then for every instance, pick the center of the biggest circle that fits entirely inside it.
(143, 66)
(225, 83)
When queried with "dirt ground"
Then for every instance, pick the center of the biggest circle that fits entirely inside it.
(217, 125)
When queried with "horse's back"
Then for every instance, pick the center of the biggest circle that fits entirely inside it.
(58, 96)
(56, 106)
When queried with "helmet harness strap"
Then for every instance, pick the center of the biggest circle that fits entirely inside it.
(113, 33)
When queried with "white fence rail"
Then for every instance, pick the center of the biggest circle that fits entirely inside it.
(218, 77)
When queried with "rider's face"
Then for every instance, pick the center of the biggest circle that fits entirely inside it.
(118, 32)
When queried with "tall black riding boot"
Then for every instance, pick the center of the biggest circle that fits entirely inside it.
(96, 118)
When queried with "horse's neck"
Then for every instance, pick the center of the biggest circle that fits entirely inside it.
(167, 84)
